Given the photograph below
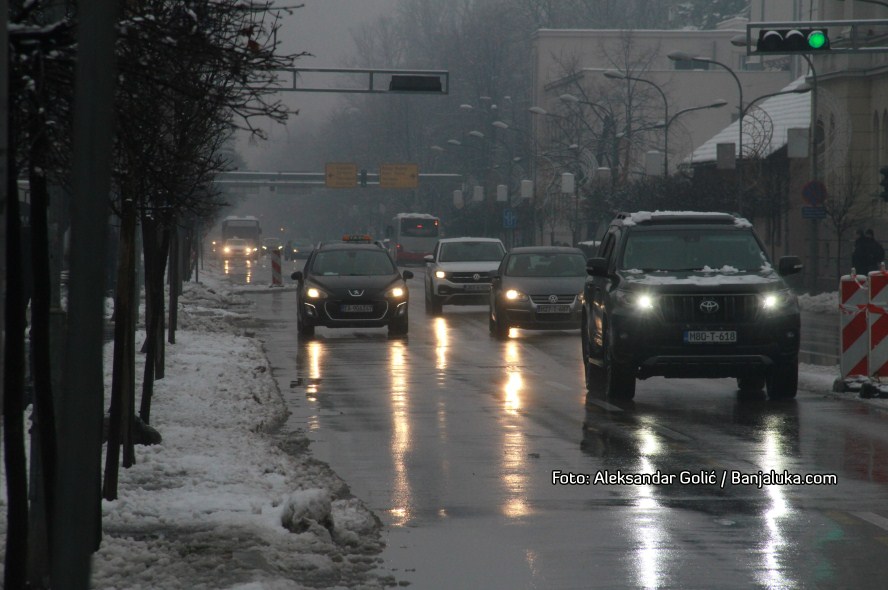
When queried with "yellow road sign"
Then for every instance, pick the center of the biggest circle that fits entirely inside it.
(398, 175)
(340, 175)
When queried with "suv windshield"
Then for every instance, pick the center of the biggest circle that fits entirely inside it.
(692, 249)
(471, 252)
(353, 262)
(546, 265)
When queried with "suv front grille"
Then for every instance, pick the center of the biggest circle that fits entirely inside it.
(689, 308)
(540, 299)
(469, 277)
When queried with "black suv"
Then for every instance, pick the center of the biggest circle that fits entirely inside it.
(687, 294)
(352, 284)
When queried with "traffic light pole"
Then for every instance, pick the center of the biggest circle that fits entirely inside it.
(814, 246)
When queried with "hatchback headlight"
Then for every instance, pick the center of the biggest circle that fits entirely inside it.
(397, 292)
(440, 274)
(514, 295)
(776, 300)
(315, 293)
(643, 302)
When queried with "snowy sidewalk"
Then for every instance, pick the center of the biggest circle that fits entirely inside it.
(223, 502)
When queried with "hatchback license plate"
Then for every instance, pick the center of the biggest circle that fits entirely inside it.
(553, 308)
(353, 308)
(479, 288)
(710, 336)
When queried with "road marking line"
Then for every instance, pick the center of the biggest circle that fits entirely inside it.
(873, 518)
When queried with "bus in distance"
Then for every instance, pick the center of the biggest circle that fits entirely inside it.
(414, 236)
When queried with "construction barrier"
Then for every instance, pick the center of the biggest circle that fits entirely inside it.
(853, 335)
(276, 280)
(877, 310)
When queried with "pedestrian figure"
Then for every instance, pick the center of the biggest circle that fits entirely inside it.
(858, 256)
(875, 251)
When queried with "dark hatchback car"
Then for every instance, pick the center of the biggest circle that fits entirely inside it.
(537, 288)
(351, 284)
(686, 294)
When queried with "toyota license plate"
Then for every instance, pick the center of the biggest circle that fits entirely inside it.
(356, 308)
(710, 336)
(478, 288)
(547, 308)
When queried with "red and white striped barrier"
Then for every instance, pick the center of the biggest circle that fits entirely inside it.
(853, 337)
(878, 323)
(276, 280)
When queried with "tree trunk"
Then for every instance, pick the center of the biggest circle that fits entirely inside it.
(123, 377)
(13, 395)
(155, 260)
(175, 271)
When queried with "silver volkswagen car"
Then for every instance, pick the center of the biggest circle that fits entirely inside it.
(538, 288)
(458, 272)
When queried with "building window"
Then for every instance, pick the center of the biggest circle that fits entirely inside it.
(694, 64)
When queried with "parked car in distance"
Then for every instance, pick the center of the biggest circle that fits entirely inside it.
(237, 249)
(458, 272)
(689, 294)
(298, 249)
(351, 284)
(537, 288)
(270, 245)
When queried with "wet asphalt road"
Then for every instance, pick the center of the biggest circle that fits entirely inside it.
(451, 437)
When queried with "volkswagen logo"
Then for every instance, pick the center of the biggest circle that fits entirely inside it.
(476, 277)
(708, 306)
(553, 298)
(355, 292)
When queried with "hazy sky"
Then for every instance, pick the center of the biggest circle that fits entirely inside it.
(322, 28)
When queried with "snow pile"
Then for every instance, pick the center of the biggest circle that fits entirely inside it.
(823, 303)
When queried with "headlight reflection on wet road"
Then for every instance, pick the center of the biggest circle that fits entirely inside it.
(399, 373)
(773, 449)
(514, 469)
(647, 525)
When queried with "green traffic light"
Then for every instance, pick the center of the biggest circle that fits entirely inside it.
(816, 39)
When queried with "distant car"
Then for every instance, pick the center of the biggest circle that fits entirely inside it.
(270, 245)
(537, 288)
(458, 272)
(237, 249)
(351, 284)
(299, 249)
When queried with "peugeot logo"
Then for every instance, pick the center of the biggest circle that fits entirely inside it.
(355, 292)
(708, 306)
(476, 276)
(553, 298)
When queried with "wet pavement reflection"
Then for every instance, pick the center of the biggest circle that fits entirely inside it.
(452, 438)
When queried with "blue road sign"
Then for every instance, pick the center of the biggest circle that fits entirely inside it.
(510, 219)
(813, 213)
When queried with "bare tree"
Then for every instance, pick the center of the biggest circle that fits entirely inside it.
(845, 205)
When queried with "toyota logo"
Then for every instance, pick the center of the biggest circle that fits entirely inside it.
(553, 298)
(708, 306)
(476, 276)
(355, 292)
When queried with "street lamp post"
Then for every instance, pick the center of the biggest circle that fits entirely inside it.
(614, 75)
(668, 122)
(684, 56)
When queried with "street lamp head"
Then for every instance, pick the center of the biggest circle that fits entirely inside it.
(716, 104)
(454, 142)
(680, 56)
(568, 98)
(538, 110)
(500, 124)
(476, 133)
(614, 75)
(739, 41)
(466, 107)
(436, 148)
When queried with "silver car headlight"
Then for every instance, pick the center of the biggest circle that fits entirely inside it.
(440, 274)
(639, 301)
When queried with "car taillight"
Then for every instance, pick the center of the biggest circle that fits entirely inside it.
(399, 246)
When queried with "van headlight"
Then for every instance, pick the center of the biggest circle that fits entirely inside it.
(643, 302)
(514, 295)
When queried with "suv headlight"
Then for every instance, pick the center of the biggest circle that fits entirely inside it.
(440, 274)
(397, 292)
(315, 293)
(644, 302)
(514, 295)
(777, 300)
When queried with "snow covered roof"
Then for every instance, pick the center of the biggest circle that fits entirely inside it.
(786, 111)
(660, 216)
(469, 239)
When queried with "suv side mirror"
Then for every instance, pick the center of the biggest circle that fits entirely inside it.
(596, 267)
(407, 274)
(789, 265)
(296, 276)
(429, 258)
